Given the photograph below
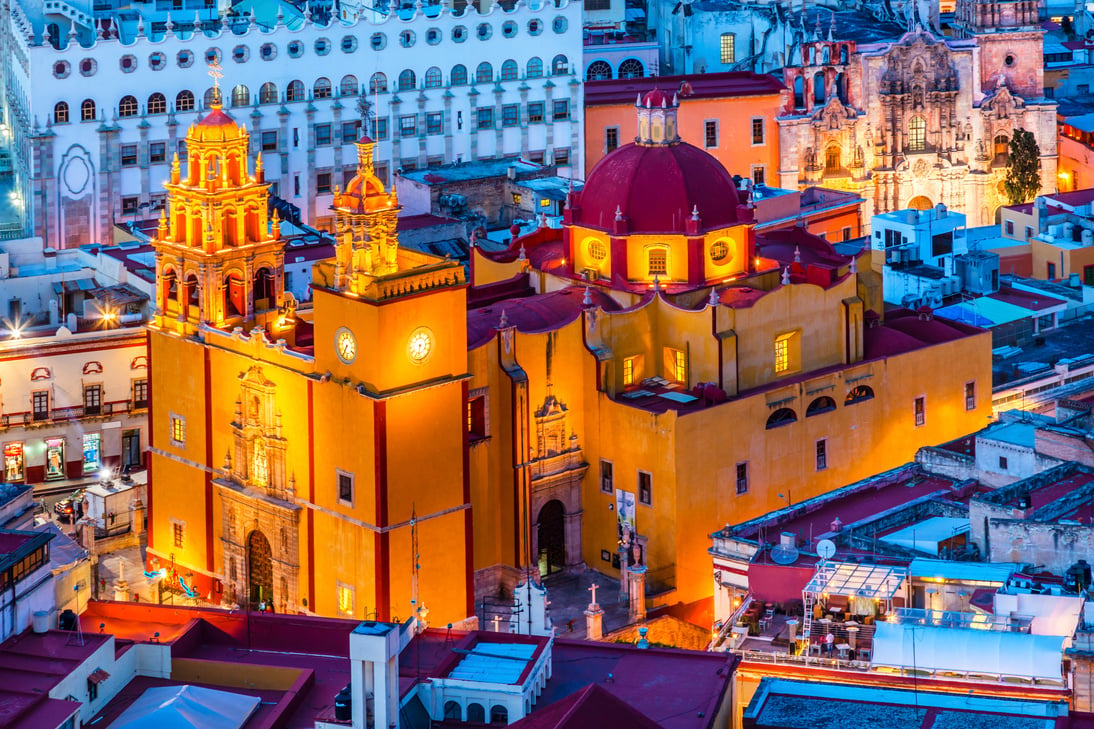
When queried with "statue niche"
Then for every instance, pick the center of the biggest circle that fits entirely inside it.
(258, 447)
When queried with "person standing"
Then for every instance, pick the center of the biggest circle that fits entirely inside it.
(830, 643)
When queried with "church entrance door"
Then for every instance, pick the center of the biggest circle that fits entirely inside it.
(551, 531)
(260, 570)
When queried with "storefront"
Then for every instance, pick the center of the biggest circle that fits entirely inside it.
(14, 465)
(55, 459)
(93, 452)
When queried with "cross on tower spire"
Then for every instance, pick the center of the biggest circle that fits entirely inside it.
(216, 73)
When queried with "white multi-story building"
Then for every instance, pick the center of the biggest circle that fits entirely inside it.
(96, 103)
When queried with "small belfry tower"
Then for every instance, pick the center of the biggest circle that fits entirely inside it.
(1011, 44)
(657, 119)
(218, 259)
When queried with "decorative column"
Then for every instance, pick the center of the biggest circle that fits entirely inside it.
(637, 605)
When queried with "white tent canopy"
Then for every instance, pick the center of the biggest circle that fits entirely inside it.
(968, 650)
(184, 707)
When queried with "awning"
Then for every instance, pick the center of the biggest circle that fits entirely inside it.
(849, 579)
(184, 707)
(98, 676)
(927, 535)
(69, 287)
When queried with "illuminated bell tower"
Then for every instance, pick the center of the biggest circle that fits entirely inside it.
(657, 119)
(219, 261)
(366, 215)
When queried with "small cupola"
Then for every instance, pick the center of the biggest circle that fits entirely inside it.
(657, 119)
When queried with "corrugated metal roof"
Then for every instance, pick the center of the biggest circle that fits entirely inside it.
(494, 663)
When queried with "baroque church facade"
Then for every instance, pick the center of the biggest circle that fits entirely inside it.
(924, 120)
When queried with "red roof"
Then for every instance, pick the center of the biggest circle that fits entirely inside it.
(656, 188)
(701, 86)
(216, 118)
(656, 98)
(1026, 299)
(590, 708)
(541, 313)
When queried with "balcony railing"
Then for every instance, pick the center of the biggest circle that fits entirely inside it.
(76, 412)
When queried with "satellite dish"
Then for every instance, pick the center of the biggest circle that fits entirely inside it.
(826, 548)
(784, 554)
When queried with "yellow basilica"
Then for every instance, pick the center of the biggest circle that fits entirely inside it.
(650, 371)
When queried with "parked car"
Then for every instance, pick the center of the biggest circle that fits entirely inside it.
(69, 507)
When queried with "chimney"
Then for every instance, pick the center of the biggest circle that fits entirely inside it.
(374, 649)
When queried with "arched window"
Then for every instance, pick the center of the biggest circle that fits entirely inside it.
(433, 78)
(157, 104)
(407, 80)
(598, 71)
(127, 106)
(858, 393)
(818, 88)
(191, 290)
(631, 68)
(169, 286)
(1002, 150)
(452, 711)
(184, 101)
(727, 48)
(820, 405)
(87, 110)
(476, 714)
(267, 93)
(377, 84)
(535, 67)
(841, 87)
(212, 97)
(559, 65)
(499, 715)
(322, 88)
(509, 70)
(263, 287)
(234, 301)
(781, 417)
(917, 134)
(349, 86)
(658, 261)
(60, 113)
(459, 75)
(484, 74)
(241, 96)
(799, 93)
(843, 55)
(832, 158)
(295, 91)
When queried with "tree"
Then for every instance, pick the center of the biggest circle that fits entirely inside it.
(1023, 180)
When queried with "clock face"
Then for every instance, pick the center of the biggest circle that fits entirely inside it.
(420, 344)
(345, 345)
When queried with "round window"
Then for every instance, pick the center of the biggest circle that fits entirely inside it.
(535, 27)
(157, 61)
(296, 49)
(322, 46)
(406, 38)
(185, 59)
(241, 54)
(128, 63)
(1009, 60)
(349, 44)
(378, 41)
(509, 29)
(484, 31)
(459, 33)
(597, 250)
(559, 24)
(87, 67)
(268, 51)
(212, 55)
(719, 252)
(433, 36)
(61, 69)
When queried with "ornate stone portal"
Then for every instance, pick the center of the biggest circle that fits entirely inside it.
(556, 472)
(260, 520)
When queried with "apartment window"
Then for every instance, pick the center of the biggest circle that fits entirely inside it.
(742, 478)
(434, 122)
(484, 117)
(129, 155)
(561, 110)
(408, 125)
(535, 113)
(178, 430)
(1008, 226)
(1029, 232)
(517, 197)
(269, 141)
(562, 158)
(1088, 275)
(140, 394)
(645, 488)
(728, 51)
(130, 205)
(822, 454)
(93, 400)
(920, 411)
(322, 183)
(970, 395)
(606, 484)
(846, 234)
(510, 115)
(476, 417)
(322, 135)
(758, 130)
(676, 364)
(710, 134)
(1003, 463)
(40, 405)
(345, 599)
(351, 131)
(658, 260)
(759, 175)
(628, 370)
(345, 488)
(178, 530)
(782, 355)
(598, 5)
(1051, 271)
(157, 152)
(611, 139)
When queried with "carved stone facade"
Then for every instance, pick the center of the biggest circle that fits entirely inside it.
(556, 472)
(936, 126)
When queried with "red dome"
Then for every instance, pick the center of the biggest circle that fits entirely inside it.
(656, 188)
(656, 98)
(216, 118)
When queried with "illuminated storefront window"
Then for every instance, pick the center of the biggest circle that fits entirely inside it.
(55, 459)
(13, 462)
(93, 443)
